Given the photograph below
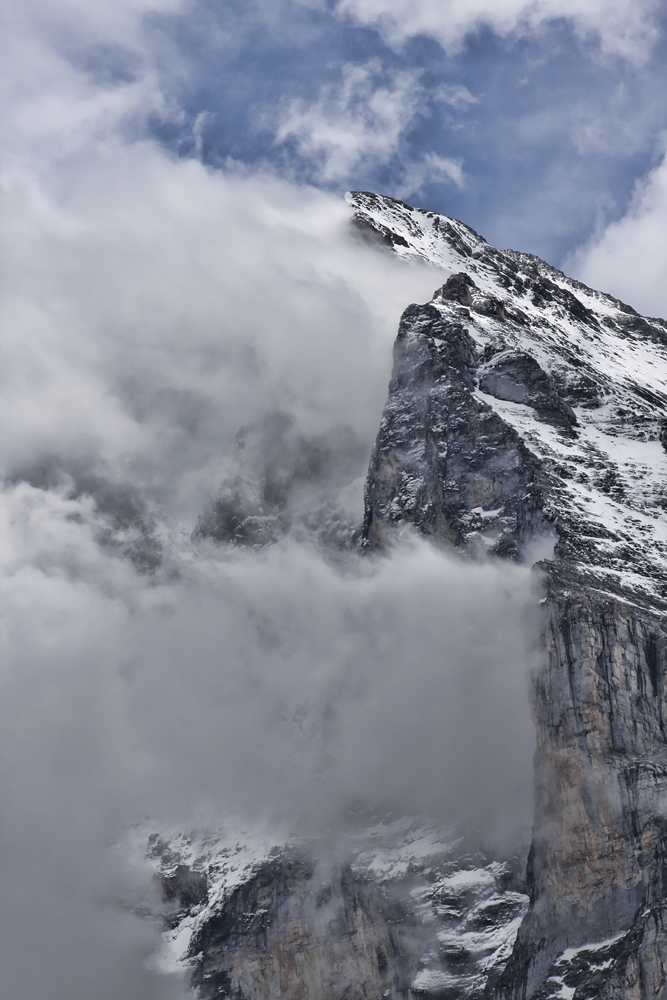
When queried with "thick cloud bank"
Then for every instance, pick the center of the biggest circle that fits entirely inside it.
(151, 309)
(272, 687)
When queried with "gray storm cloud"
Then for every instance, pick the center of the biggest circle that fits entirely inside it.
(151, 309)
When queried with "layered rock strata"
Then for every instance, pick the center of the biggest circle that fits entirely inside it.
(525, 406)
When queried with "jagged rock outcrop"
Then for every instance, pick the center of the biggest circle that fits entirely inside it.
(517, 378)
(407, 914)
(444, 460)
(523, 404)
(287, 933)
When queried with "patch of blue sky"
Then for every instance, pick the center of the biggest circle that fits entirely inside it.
(536, 141)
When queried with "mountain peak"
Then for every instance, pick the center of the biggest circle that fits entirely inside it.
(578, 375)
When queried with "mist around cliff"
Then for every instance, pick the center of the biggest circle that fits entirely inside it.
(151, 309)
(146, 677)
(272, 689)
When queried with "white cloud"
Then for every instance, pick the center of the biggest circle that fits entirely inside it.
(72, 72)
(76, 22)
(625, 27)
(432, 169)
(355, 123)
(629, 258)
(456, 95)
(359, 123)
(150, 308)
(268, 687)
(147, 296)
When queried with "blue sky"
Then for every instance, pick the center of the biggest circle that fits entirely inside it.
(535, 138)
(541, 123)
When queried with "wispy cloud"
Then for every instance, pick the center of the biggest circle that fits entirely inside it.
(623, 27)
(359, 124)
(455, 95)
(628, 257)
(433, 169)
(71, 72)
(358, 121)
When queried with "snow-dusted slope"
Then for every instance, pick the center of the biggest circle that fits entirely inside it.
(607, 362)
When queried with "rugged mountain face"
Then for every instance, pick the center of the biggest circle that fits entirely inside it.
(405, 912)
(524, 405)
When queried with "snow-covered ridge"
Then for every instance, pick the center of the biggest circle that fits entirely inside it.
(608, 493)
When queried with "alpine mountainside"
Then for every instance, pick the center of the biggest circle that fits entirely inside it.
(523, 408)
(526, 421)
(406, 912)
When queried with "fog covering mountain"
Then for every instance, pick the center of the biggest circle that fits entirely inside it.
(525, 411)
(156, 682)
(521, 403)
(266, 729)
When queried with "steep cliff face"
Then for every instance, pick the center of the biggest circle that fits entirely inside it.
(524, 405)
(444, 460)
(599, 850)
(286, 933)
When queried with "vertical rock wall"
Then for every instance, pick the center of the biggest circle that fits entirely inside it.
(284, 934)
(599, 855)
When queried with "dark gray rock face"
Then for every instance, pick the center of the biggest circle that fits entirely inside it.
(628, 965)
(443, 460)
(524, 404)
(517, 378)
(185, 886)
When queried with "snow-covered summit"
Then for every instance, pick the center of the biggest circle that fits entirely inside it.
(579, 375)
(525, 406)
